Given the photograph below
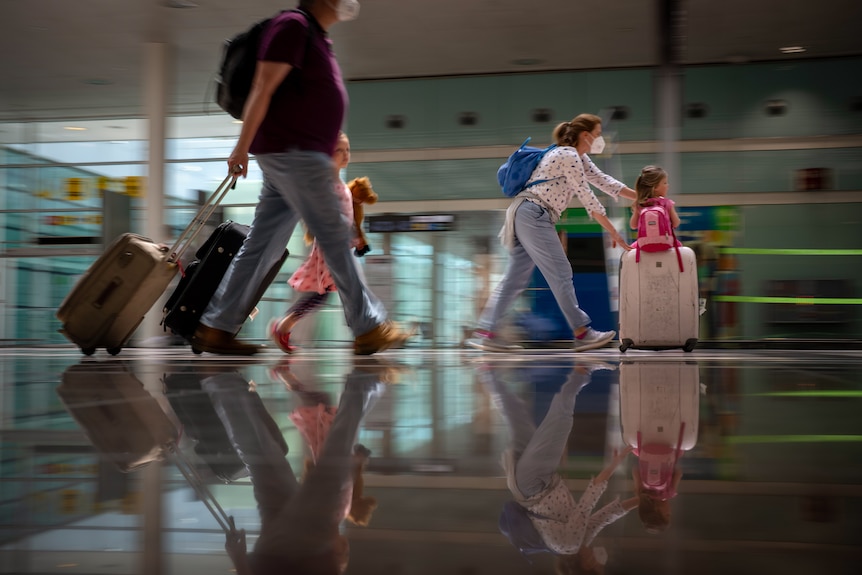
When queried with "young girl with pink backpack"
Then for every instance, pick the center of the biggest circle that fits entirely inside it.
(653, 214)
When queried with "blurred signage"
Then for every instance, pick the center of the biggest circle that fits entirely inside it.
(384, 223)
(72, 220)
(75, 189)
(134, 186)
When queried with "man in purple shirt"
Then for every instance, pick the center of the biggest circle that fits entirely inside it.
(291, 122)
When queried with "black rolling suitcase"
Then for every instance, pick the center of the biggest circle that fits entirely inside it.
(202, 276)
(201, 422)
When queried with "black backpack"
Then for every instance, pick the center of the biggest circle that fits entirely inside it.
(236, 73)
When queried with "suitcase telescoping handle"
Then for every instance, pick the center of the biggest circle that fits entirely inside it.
(196, 225)
(191, 475)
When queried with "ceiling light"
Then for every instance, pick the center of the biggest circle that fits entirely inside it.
(180, 4)
(792, 50)
(237, 122)
(75, 128)
(527, 62)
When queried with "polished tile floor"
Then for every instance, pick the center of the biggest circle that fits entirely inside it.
(767, 448)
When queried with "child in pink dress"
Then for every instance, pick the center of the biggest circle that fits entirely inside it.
(652, 187)
(312, 279)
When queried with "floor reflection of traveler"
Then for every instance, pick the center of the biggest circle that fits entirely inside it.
(544, 515)
(299, 519)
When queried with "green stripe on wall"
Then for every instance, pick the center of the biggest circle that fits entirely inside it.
(791, 300)
(742, 439)
(788, 252)
(824, 393)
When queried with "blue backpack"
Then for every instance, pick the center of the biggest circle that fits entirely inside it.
(515, 524)
(515, 173)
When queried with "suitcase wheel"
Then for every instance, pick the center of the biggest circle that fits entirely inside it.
(689, 344)
(114, 350)
(196, 350)
(625, 344)
(88, 350)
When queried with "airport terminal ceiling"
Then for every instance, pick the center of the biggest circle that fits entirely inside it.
(87, 58)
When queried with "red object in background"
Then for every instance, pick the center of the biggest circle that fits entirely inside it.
(813, 179)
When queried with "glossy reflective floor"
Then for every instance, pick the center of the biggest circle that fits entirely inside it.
(745, 462)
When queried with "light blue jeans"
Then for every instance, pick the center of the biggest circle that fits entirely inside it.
(537, 450)
(297, 519)
(296, 184)
(536, 244)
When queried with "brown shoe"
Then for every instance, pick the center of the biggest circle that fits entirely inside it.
(384, 336)
(222, 342)
(386, 371)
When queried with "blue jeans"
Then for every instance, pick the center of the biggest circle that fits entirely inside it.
(296, 185)
(537, 450)
(536, 244)
(297, 519)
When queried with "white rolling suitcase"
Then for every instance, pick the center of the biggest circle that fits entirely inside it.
(656, 398)
(658, 302)
(660, 414)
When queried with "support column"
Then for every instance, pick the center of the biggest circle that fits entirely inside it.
(668, 86)
(156, 81)
(438, 288)
(6, 332)
(669, 121)
(152, 550)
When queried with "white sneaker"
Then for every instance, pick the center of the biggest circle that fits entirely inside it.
(593, 366)
(593, 339)
(487, 341)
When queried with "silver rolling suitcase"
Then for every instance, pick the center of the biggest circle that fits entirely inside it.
(110, 300)
(129, 427)
(122, 420)
(658, 301)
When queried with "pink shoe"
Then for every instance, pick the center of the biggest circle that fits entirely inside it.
(281, 338)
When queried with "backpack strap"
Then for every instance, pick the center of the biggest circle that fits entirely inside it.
(676, 247)
(545, 151)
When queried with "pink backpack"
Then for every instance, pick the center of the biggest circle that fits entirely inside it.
(656, 465)
(655, 232)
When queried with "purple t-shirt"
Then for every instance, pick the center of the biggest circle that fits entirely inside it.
(307, 110)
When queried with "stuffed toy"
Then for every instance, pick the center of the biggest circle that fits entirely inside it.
(360, 189)
(361, 506)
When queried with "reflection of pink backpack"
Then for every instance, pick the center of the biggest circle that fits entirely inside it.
(655, 232)
(657, 463)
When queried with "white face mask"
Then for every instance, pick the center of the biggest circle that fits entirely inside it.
(598, 145)
(347, 10)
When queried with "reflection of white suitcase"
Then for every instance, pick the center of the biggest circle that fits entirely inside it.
(658, 302)
(656, 397)
(659, 414)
